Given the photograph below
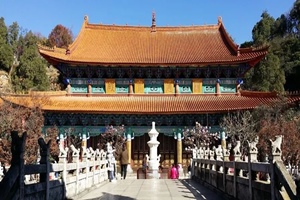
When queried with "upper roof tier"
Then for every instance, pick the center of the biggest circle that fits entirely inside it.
(98, 44)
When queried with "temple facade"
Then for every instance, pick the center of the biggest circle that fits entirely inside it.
(132, 76)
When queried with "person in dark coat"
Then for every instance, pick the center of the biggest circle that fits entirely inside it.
(124, 162)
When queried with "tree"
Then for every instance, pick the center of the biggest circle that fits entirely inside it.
(199, 136)
(240, 126)
(60, 36)
(280, 119)
(294, 18)
(31, 72)
(6, 52)
(114, 135)
(18, 118)
(268, 75)
(263, 30)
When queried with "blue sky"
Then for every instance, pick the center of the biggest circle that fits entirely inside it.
(239, 16)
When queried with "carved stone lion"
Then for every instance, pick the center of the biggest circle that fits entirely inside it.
(237, 148)
(276, 144)
(252, 145)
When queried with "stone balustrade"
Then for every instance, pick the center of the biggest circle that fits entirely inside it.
(60, 180)
(244, 178)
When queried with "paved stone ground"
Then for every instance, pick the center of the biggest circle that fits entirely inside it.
(150, 189)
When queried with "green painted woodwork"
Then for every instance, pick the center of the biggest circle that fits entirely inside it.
(98, 89)
(154, 86)
(209, 89)
(79, 88)
(122, 85)
(185, 85)
(131, 130)
(227, 88)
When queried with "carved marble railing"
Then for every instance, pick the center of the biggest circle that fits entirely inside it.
(247, 178)
(53, 180)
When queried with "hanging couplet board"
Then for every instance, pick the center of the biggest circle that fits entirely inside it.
(169, 86)
(110, 86)
(197, 86)
(139, 86)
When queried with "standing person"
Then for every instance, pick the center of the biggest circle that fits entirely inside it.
(124, 162)
(173, 173)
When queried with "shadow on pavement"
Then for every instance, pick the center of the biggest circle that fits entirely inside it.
(108, 196)
(199, 191)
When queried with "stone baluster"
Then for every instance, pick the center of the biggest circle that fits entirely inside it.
(92, 154)
(75, 159)
(45, 153)
(212, 158)
(1, 170)
(201, 153)
(93, 161)
(236, 172)
(194, 152)
(275, 156)
(276, 148)
(63, 153)
(98, 158)
(219, 156)
(226, 154)
(237, 157)
(206, 153)
(252, 175)
(206, 156)
(212, 154)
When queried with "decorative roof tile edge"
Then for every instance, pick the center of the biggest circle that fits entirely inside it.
(248, 93)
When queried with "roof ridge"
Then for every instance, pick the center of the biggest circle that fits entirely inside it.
(51, 49)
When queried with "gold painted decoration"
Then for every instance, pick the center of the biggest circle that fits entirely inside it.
(110, 86)
(169, 86)
(139, 86)
(197, 86)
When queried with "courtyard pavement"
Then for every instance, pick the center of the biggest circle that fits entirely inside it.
(150, 189)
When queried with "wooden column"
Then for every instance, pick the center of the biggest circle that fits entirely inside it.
(218, 92)
(84, 139)
(130, 87)
(176, 88)
(89, 90)
(128, 145)
(69, 89)
(179, 151)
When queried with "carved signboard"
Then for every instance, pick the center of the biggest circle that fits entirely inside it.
(139, 86)
(197, 86)
(110, 86)
(169, 86)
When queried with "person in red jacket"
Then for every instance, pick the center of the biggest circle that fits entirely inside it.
(173, 174)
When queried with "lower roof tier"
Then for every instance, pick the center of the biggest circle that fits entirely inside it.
(146, 104)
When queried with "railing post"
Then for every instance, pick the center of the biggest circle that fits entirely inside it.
(94, 162)
(63, 159)
(237, 156)
(75, 158)
(18, 149)
(252, 158)
(275, 155)
(85, 158)
(226, 153)
(44, 151)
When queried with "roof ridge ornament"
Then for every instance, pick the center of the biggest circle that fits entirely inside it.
(86, 19)
(153, 27)
(219, 20)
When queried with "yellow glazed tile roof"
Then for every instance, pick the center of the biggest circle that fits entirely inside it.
(139, 45)
(145, 104)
